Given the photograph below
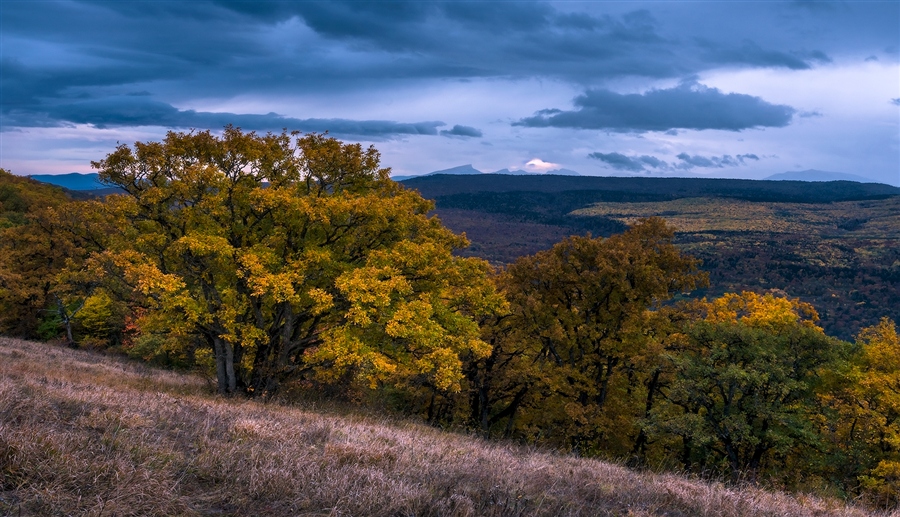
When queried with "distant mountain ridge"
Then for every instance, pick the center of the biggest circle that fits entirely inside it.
(72, 181)
(817, 175)
(460, 170)
(469, 170)
(636, 189)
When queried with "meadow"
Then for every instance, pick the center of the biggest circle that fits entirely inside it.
(88, 434)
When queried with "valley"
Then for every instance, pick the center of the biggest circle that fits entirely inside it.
(833, 244)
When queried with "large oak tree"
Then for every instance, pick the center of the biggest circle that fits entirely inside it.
(281, 253)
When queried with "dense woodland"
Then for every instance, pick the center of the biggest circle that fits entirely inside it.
(287, 264)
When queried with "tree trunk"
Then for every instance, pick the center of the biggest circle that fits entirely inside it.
(734, 461)
(225, 377)
(640, 443)
(605, 374)
(70, 340)
(67, 320)
(229, 367)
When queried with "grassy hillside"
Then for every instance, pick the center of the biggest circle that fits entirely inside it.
(83, 434)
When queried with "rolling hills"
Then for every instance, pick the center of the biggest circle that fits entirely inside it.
(833, 244)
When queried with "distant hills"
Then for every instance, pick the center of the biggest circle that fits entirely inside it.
(71, 181)
(468, 169)
(90, 181)
(817, 175)
(593, 189)
(807, 175)
(850, 185)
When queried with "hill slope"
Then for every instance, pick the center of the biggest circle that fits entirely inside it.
(89, 435)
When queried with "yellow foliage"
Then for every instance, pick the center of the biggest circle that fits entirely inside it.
(284, 253)
(766, 311)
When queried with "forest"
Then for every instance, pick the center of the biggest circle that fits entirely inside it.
(284, 264)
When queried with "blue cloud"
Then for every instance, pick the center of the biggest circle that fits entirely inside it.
(750, 53)
(464, 131)
(621, 162)
(718, 162)
(139, 110)
(654, 162)
(688, 106)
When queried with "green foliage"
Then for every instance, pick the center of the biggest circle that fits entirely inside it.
(50, 326)
(746, 379)
(863, 418)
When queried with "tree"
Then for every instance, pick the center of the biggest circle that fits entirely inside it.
(41, 231)
(284, 254)
(863, 424)
(877, 390)
(575, 353)
(747, 377)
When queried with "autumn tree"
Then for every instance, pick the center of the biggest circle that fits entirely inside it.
(574, 355)
(283, 254)
(876, 390)
(41, 231)
(747, 378)
(862, 418)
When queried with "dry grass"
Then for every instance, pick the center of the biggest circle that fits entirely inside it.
(82, 434)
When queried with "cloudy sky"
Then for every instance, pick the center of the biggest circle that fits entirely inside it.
(690, 88)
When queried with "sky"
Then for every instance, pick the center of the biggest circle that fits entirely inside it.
(739, 89)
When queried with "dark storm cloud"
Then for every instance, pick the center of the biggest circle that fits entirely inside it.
(689, 106)
(139, 110)
(105, 47)
(231, 46)
(464, 131)
(180, 51)
(139, 34)
(750, 53)
(23, 86)
(621, 162)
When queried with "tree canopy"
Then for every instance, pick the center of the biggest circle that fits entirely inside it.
(747, 374)
(576, 351)
(281, 253)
